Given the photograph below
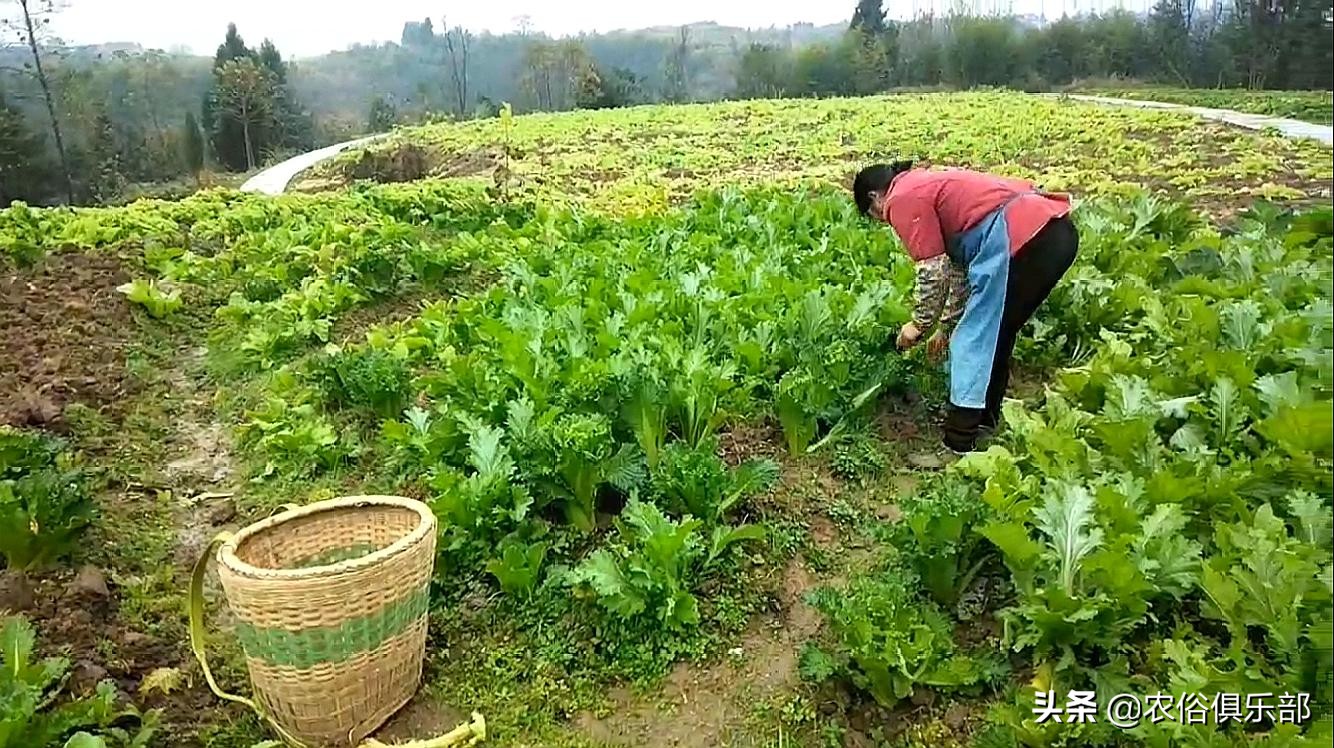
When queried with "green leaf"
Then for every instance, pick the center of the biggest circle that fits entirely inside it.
(84, 740)
(16, 641)
(1226, 409)
(625, 469)
(816, 666)
(750, 478)
(1314, 519)
(724, 537)
(602, 572)
(1303, 429)
(1066, 517)
(1279, 390)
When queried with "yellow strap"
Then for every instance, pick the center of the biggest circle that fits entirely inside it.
(469, 733)
(198, 636)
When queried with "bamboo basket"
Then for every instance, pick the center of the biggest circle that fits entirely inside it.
(331, 603)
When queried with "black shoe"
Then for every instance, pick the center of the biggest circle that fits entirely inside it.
(990, 422)
(959, 446)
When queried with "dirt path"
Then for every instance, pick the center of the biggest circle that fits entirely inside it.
(1290, 128)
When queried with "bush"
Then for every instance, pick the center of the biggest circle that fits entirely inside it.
(890, 642)
(44, 504)
(367, 378)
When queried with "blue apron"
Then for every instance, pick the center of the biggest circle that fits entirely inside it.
(985, 251)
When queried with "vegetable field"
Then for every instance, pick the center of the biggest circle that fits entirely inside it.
(640, 363)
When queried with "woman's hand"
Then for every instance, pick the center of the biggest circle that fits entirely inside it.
(936, 346)
(908, 336)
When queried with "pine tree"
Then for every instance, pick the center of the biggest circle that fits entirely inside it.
(224, 131)
(868, 16)
(244, 94)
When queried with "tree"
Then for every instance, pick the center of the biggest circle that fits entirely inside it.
(224, 131)
(418, 34)
(676, 76)
(763, 72)
(607, 89)
(292, 127)
(982, 52)
(868, 16)
(245, 92)
(457, 41)
(822, 70)
(193, 146)
(21, 168)
(1169, 24)
(36, 17)
(383, 115)
(106, 180)
(871, 59)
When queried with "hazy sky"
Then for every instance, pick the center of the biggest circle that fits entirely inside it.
(309, 27)
(302, 28)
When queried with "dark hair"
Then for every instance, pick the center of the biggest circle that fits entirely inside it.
(875, 178)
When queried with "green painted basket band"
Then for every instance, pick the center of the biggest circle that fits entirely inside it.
(332, 644)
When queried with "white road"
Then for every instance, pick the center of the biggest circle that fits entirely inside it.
(273, 180)
(1290, 127)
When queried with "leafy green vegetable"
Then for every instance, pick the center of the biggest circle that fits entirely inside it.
(152, 296)
(694, 481)
(44, 502)
(892, 643)
(364, 377)
(518, 567)
(34, 715)
(655, 564)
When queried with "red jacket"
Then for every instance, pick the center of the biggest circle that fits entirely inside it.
(927, 208)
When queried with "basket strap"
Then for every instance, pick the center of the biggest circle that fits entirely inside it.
(198, 635)
(468, 733)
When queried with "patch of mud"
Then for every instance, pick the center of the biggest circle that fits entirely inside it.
(78, 620)
(351, 327)
(467, 164)
(702, 705)
(207, 457)
(422, 718)
(65, 330)
(749, 441)
(400, 161)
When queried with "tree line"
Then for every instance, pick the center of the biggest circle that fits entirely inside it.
(84, 127)
(87, 126)
(1243, 44)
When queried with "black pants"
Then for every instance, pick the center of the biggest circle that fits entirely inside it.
(1033, 274)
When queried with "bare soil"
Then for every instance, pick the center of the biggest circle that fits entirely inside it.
(65, 330)
(703, 705)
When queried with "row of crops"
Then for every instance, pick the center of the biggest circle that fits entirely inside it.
(556, 382)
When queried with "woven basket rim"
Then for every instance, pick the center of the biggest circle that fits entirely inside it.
(425, 524)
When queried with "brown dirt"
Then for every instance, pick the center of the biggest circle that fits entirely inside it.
(352, 326)
(65, 330)
(702, 705)
(403, 162)
(749, 441)
(83, 627)
(424, 717)
(467, 164)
